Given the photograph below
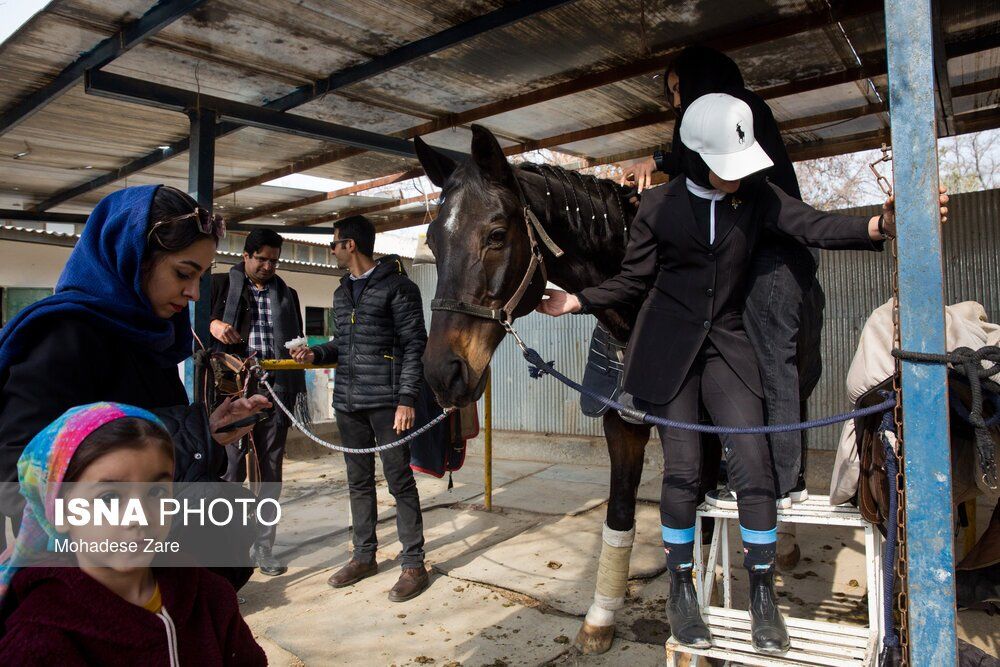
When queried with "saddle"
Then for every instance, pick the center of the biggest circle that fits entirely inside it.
(968, 463)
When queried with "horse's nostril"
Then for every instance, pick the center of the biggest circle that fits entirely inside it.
(457, 375)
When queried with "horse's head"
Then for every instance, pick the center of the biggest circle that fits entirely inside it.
(482, 248)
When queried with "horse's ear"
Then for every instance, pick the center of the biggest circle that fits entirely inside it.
(489, 156)
(437, 166)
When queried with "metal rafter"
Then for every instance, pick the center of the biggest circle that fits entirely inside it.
(160, 16)
(127, 89)
(506, 15)
(724, 41)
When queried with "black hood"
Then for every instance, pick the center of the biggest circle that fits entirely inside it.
(703, 70)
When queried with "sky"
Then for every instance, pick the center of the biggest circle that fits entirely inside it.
(13, 14)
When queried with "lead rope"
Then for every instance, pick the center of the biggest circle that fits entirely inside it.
(262, 378)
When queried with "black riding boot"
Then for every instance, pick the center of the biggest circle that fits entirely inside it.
(683, 613)
(767, 628)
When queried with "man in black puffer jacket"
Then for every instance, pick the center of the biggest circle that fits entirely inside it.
(378, 346)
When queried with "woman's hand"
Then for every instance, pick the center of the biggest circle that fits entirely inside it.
(233, 410)
(889, 216)
(556, 303)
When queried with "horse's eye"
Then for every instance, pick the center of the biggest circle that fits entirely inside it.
(497, 237)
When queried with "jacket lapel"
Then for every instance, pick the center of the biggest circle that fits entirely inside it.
(726, 218)
(683, 210)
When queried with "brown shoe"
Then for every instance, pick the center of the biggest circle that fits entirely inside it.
(352, 573)
(412, 582)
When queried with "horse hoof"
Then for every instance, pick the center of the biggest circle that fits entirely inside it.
(595, 638)
(788, 561)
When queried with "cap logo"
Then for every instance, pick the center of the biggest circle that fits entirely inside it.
(739, 132)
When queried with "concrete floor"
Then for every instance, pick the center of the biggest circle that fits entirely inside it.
(509, 587)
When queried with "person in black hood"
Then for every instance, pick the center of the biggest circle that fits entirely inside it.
(687, 261)
(784, 304)
(378, 350)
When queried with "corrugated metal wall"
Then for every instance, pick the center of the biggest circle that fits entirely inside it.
(855, 283)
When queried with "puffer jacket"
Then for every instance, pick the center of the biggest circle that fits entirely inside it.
(379, 341)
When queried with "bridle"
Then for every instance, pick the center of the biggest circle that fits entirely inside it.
(505, 315)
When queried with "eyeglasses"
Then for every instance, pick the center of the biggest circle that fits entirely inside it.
(334, 244)
(265, 260)
(208, 223)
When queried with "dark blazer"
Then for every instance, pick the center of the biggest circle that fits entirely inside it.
(691, 291)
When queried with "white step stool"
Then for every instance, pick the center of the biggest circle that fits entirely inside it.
(816, 643)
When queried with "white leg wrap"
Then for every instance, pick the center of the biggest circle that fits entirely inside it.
(612, 576)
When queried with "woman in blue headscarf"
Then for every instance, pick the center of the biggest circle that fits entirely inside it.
(115, 330)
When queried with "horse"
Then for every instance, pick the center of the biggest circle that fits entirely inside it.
(500, 233)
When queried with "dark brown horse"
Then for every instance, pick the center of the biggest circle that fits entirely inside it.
(483, 243)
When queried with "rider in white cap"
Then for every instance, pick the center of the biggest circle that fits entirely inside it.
(687, 263)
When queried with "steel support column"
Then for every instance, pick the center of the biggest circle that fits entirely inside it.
(201, 178)
(927, 465)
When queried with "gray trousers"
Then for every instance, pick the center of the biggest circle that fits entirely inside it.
(366, 428)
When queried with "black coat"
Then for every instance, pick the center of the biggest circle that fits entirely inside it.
(74, 362)
(379, 342)
(698, 290)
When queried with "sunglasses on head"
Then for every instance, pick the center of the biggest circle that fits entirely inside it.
(208, 223)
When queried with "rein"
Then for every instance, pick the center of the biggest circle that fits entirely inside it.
(505, 315)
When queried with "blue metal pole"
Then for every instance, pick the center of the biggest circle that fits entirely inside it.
(927, 465)
(201, 179)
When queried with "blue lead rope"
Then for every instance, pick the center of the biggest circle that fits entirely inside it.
(541, 367)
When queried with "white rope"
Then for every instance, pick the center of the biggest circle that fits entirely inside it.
(348, 450)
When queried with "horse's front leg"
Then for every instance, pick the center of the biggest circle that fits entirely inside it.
(626, 445)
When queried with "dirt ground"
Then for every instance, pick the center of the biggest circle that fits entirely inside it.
(511, 586)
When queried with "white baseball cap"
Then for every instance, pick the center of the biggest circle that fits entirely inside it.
(719, 128)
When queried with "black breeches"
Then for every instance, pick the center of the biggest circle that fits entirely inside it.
(729, 403)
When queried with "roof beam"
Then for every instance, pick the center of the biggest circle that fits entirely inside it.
(941, 78)
(506, 15)
(271, 209)
(725, 41)
(976, 87)
(642, 120)
(636, 122)
(160, 16)
(127, 89)
(374, 208)
(74, 218)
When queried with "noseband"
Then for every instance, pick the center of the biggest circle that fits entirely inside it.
(505, 315)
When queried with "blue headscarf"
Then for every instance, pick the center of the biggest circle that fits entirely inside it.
(102, 281)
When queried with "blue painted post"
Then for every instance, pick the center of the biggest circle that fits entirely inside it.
(927, 465)
(201, 179)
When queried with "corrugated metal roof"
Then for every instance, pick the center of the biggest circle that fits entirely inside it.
(258, 51)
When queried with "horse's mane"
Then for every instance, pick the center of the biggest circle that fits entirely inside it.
(597, 209)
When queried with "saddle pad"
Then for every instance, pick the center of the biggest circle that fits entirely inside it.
(605, 370)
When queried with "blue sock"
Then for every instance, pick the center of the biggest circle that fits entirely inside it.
(678, 544)
(759, 548)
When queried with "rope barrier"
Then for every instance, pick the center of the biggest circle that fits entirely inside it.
(349, 450)
(541, 367)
